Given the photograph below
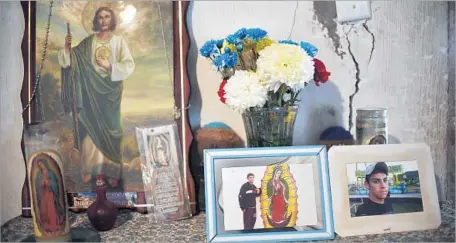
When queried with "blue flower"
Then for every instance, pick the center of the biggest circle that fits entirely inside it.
(218, 62)
(209, 48)
(226, 60)
(256, 33)
(233, 39)
(241, 33)
(309, 48)
(230, 59)
(290, 42)
(239, 47)
(237, 37)
(219, 43)
(227, 50)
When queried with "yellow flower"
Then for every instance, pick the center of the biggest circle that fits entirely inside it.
(263, 43)
(231, 46)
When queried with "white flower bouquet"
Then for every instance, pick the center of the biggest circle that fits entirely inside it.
(261, 73)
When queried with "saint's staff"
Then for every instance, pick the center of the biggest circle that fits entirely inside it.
(75, 111)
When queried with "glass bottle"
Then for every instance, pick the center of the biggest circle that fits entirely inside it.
(371, 126)
(102, 213)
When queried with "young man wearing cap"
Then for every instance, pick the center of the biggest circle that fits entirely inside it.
(377, 184)
(247, 201)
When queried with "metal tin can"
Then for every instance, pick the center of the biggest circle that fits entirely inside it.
(371, 126)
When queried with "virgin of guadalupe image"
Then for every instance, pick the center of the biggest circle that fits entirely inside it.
(49, 210)
(92, 83)
(160, 150)
(280, 198)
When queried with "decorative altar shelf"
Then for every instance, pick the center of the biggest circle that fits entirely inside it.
(135, 227)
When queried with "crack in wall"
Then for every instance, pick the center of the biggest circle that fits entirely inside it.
(373, 40)
(358, 71)
(325, 13)
(294, 19)
(358, 79)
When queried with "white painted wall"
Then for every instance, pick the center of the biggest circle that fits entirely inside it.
(12, 168)
(408, 74)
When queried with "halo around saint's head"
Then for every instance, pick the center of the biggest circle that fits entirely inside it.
(125, 14)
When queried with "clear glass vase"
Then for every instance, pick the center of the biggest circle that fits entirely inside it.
(270, 127)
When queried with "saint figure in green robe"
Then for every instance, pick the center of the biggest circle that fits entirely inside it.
(92, 77)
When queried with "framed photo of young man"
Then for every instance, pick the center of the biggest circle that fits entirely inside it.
(267, 194)
(95, 71)
(392, 185)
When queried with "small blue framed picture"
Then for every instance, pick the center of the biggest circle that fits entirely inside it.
(268, 194)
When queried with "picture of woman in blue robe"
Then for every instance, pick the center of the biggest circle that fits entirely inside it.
(50, 210)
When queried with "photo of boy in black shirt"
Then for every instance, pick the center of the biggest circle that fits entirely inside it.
(376, 182)
(247, 201)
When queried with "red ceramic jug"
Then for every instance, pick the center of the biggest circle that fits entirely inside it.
(102, 213)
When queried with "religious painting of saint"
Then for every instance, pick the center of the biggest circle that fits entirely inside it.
(49, 206)
(93, 93)
(108, 68)
(279, 197)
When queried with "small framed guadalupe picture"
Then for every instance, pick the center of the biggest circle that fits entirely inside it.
(268, 194)
(392, 185)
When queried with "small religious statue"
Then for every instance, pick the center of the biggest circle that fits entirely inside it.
(47, 191)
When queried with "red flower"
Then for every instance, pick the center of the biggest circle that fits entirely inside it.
(320, 75)
(221, 92)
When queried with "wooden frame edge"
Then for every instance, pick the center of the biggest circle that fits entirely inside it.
(182, 86)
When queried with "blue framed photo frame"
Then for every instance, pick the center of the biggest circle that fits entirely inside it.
(285, 191)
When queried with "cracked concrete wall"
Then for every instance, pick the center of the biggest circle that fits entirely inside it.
(398, 60)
